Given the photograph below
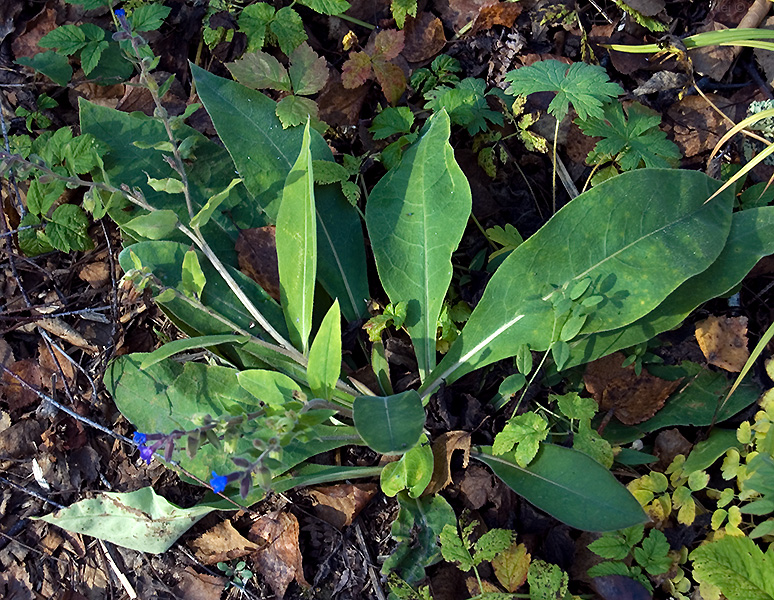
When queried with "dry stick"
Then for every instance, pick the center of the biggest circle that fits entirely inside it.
(118, 573)
(372, 573)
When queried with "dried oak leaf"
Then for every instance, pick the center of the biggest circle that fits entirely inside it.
(500, 13)
(257, 254)
(424, 37)
(279, 560)
(340, 504)
(723, 340)
(632, 398)
(443, 448)
(221, 544)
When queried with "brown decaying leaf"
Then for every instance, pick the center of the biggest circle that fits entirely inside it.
(50, 367)
(424, 37)
(17, 395)
(340, 504)
(510, 567)
(339, 106)
(199, 586)
(457, 13)
(443, 448)
(26, 44)
(500, 13)
(478, 487)
(257, 253)
(669, 443)
(279, 561)
(221, 544)
(632, 398)
(697, 127)
(712, 61)
(723, 340)
(96, 274)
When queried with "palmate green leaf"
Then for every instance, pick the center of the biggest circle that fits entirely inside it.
(392, 120)
(389, 424)
(586, 87)
(466, 104)
(748, 241)
(737, 566)
(401, 9)
(288, 28)
(139, 520)
(454, 550)
(325, 355)
(568, 485)
(631, 141)
(652, 555)
(415, 216)
(524, 431)
(263, 153)
(253, 22)
(597, 236)
(297, 247)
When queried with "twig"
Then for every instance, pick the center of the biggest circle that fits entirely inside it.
(117, 572)
(372, 573)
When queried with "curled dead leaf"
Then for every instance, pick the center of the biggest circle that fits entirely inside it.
(443, 448)
(221, 544)
(279, 560)
(340, 504)
(723, 341)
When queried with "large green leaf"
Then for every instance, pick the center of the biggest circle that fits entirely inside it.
(737, 566)
(416, 215)
(165, 260)
(637, 236)
(131, 160)
(568, 485)
(389, 424)
(297, 247)
(140, 520)
(749, 240)
(264, 152)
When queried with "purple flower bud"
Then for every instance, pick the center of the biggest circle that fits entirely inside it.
(146, 454)
(139, 438)
(218, 482)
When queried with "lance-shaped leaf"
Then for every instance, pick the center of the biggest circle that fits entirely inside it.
(139, 520)
(263, 153)
(389, 424)
(325, 355)
(416, 215)
(636, 241)
(568, 485)
(748, 241)
(297, 247)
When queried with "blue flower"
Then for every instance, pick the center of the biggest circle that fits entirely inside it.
(146, 454)
(218, 482)
(139, 438)
(120, 12)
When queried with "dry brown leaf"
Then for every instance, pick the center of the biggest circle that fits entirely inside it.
(632, 398)
(501, 13)
(48, 366)
(6, 353)
(712, 61)
(510, 567)
(279, 560)
(17, 395)
(221, 544)
(478, 487)
(669, 443)
(340, 504)
(457, 13)
(424, 37)
(723, 340)
(96, 274)
(26, 43)
(443, 448)
(199, 586)
(257, 253)
(696, 125)
(339, 106)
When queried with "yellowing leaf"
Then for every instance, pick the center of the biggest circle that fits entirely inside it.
(511, 567)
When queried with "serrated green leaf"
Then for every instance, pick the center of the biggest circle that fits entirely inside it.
(149, 17)
(588, 441)
(289, 29)
(295, 110)
(415, 217)
(297, 247)
(327, 171)
(652, 555)
(356, 70)
(466, 104)
(327, 7)
(32, 241)
(325, 355)
(259, 70)
(52, 64)
(508, 236)
(139, 520)
(193, 278)
(253, 22)
(737, 566)
(80, 155)
(631, 141)
(90, 55)
(68, 39)
(546, 581)
(401, 9)
(392, 120)
(573, 406)
(524, 431)
(586, 87)
(453, 549)
(491, 544)
(42, 196)
(308, 71)
(611, 546)
(68, 229)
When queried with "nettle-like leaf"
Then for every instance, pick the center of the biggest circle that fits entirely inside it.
(327, 7)
(586, 87)
(524, 431)
(261, 24)
(308, 71)
(630, 137)
(737, 566)
(653, 553)
(374, 63)
(67, 229)
(253, 22)
(466, 104)
(402, 9)
(259, 70)
(392, 120)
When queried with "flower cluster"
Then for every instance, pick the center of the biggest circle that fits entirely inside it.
(159, 440)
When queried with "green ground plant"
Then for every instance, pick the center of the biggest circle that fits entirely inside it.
(272, 395)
